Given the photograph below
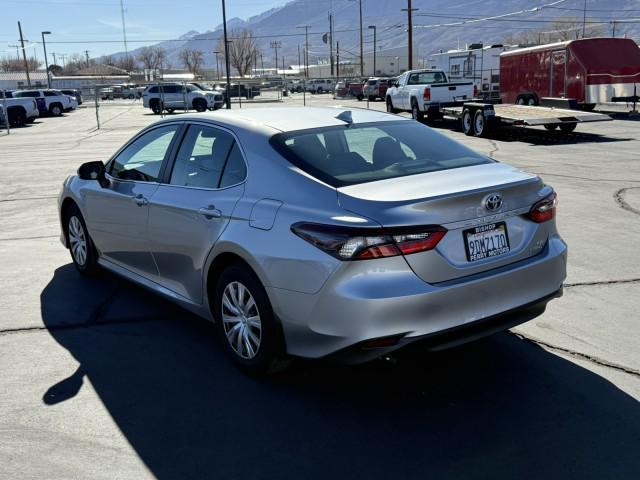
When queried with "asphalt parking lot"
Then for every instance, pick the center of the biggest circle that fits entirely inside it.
(100, 379)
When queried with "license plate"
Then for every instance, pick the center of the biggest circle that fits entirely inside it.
(486, 241)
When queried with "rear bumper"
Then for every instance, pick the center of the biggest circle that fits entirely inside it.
(371, 300)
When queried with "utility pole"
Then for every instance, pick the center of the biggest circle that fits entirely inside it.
(306, 48)
(17, 47)
(410, 11)
(374, 48)
(331, 40)
(614, 29)
(584, 18)
(124, 31)
(24, 55)
(226, 53)
(54, 58)
(337, 61)
(63, 56)
(276, 44)
(255, 61)
(361, 41)
(86, 54)
(46, 61)
(299, 58)
(217, 66)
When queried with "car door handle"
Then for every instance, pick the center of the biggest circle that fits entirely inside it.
(140, 200)
(210, 212)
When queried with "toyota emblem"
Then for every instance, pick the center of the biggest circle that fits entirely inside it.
(493, 202)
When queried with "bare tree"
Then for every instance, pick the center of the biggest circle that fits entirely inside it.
(108, 60)
(152, 57)
(242, 50)
(191, 59)
(14, 65)
(127, 63)
(560, 30)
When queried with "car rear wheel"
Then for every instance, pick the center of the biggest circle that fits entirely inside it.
(200, 105)
(416, 114)
(246, 323)
(83, 253)
(17, 117)
(55, 109)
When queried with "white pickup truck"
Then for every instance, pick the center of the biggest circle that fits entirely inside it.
(425, 92)
(20, 110)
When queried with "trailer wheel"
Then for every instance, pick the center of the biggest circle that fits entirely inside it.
(531, 101)
(520, 101)
(551, 127)
(467, 122)
(416, 114)
(480, 124)
(568, 127)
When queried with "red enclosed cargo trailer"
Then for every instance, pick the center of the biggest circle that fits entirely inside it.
(590, 71)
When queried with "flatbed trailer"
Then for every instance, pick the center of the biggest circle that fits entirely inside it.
(480, 119)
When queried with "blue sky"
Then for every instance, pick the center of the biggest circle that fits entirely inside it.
(90, 21)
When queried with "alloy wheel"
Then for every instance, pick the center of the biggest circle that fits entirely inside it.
(77, 241)
(241, 320)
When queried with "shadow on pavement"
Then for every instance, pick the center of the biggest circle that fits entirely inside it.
(499, 408)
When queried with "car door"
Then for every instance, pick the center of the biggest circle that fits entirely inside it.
(403, 92)
(191, 209)
(117, 214)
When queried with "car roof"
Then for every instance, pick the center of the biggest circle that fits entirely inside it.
(287, 119)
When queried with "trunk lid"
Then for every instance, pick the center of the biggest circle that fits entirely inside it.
(455, 199)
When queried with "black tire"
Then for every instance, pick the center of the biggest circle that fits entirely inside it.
(521, 100)
(467, 123)
(588, 107)
(532, 101)
(171, 110)
(360, 97)
(56, 109)
(271, 347)
(319, 90)
(568, 127)
(481, 124)
(551, 127)
(17, 117)
(390, 107)
(416, 113)
(372, 98)
(156, 107)
(131, 96)
(200, 105)
(90, 264)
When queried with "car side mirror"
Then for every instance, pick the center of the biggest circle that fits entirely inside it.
(93, 171)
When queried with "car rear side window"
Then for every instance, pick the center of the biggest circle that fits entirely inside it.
(201, 157)
(363, 153)
(142, 159)
(235, 170)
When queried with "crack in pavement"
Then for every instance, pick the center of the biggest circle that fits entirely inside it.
(614, 180)
(495, 146)
(601, 282)
(619, 197)
(27, 199)
(38, 237)
(583, 356)
(82, 325)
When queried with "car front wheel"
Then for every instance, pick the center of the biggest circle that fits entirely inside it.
(246, 322)
(200, 105)
(80, 245)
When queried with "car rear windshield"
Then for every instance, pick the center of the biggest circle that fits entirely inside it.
(360, 153)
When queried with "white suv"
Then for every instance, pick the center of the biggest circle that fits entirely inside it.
(320, 85)
(171, 97)
(52, 102)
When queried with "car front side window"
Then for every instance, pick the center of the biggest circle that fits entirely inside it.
(142, 159)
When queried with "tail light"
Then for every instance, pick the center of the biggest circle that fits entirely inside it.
(545, 209)
(353, 243)
(475, 91)
(426, 95)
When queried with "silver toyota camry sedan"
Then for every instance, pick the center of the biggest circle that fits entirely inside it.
(319, 232)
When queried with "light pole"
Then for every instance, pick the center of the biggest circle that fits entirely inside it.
(361, 47)
(217, 66)
(306, 49)
(226, 53)
(46, 62)
(373, 27)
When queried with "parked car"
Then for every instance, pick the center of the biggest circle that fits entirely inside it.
(171, 97)
(20, 111)
(301, 237)
(107, 93)
(295, 86)
(73, 93)
(49, 101)
(424, 92)
(341, 90)
(320, 85)
(356, 88)
(375, 88)
(243, 90)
